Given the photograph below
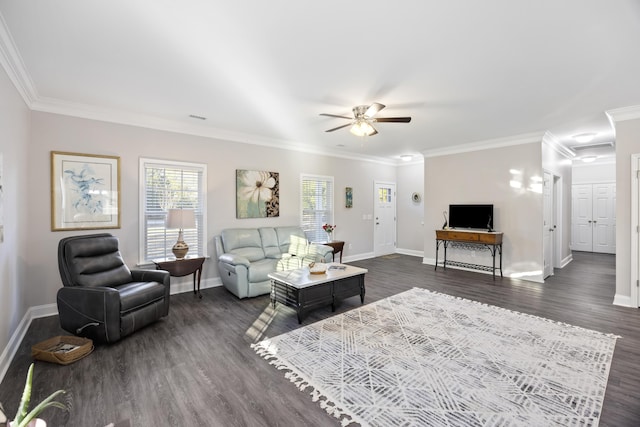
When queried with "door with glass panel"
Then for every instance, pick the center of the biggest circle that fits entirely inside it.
(384, 219)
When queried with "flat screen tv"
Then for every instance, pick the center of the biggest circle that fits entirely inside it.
(471, 216)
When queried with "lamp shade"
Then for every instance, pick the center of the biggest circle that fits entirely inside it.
(181, 218)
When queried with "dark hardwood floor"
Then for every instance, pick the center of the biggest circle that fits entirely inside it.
(196, 367)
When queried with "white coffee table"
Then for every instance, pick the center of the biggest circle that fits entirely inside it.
(302, 290)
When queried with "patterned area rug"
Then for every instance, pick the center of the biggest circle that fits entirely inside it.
(422, 358)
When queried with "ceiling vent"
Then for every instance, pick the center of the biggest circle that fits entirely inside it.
(591, 146)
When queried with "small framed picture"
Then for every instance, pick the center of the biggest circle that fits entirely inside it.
(85, 191)
(348, 194)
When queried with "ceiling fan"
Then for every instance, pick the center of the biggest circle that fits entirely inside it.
(363, 119)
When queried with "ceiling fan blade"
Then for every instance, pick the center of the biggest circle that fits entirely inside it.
(334, 115)
(373, 109)
(393, 119)
(339, 127)
(374, 131)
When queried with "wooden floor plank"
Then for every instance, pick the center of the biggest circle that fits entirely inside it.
(196, 366)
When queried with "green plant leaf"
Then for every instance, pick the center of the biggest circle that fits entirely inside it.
(46, 403)
(23, 418)
(26, 397)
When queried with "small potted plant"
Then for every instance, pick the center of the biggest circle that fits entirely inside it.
(30, 419)
(328, 228)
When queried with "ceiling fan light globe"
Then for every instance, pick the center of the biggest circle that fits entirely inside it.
(362, 128)
(584, 137)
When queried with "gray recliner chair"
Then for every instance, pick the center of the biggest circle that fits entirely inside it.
(102, 299)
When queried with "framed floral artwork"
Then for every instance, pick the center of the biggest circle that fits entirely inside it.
(257, 194)
(85, 191)
(348, 197)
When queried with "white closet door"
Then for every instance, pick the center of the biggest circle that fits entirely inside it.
(593, 218)
(604, 218)
(581, 208)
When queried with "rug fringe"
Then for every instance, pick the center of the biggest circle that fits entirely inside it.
(264, 350)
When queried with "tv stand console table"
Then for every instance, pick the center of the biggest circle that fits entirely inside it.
(489, 240)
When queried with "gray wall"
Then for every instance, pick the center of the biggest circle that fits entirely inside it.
(592, 173)
(484, 177)
(14, 251)
(64, 133)
(410, 214)
(28, 267)
(627, 143)
(560, 166)
(28, 257)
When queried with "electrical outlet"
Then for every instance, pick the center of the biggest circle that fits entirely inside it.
(473, 254)
(349, 247)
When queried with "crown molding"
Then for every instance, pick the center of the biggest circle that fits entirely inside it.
(420, 161)
(551, 141)
(624, 113)
(85, 111)
(11, 61)
(486, 144)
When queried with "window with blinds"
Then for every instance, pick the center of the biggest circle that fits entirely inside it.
(171, 185)
(317, 205)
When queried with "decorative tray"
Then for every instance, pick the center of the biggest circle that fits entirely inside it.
(317, 268)
(62, 350)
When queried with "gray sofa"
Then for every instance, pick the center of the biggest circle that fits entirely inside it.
(247, 255)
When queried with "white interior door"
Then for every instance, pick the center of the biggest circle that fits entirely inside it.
(547, 224)
(581, 207)
(604, 218)
(593, 218)
(384, 215)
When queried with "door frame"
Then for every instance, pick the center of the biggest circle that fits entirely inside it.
(635, 230)
(376, 184)
(557, 219)
(548, 196)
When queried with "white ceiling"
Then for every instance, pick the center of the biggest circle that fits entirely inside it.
(263, 71)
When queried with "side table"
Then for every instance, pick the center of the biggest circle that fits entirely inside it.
(337, 246)
(183, 267)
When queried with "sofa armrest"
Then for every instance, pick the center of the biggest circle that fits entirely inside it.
(90, 312)
(233, 259)
(159, 276)
(323, 250)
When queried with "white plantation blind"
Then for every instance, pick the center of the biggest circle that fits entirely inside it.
(171, 185)
(317, 205)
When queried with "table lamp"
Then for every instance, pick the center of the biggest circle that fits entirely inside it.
(181, 219)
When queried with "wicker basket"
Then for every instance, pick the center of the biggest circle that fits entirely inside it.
(62, 350)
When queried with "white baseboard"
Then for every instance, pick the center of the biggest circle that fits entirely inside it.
(622, 300)
(358, 257)
(410, 252)
(47, 310)
(566, 261)
(432, 261)
(531, 278)
(187, 284)
(18, 335)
